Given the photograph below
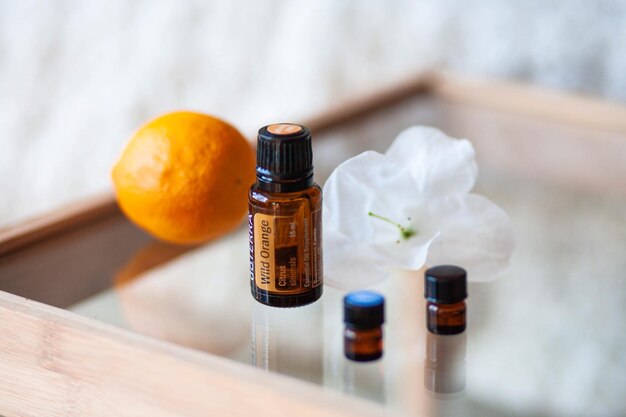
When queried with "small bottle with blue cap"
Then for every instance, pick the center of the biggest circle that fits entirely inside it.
(363, 315)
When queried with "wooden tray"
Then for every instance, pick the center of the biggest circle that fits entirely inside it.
(55, 362)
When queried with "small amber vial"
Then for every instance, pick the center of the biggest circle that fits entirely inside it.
(285, 219)
(445, 291)
(363, 315)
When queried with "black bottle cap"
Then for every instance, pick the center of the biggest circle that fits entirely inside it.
(284, 157)
(364, 309)
(445, 284)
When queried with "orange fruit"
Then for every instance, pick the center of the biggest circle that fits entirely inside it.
(184, 177)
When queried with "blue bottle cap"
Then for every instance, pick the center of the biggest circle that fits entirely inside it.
(364, 309)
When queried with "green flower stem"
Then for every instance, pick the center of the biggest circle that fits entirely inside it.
(405, 232)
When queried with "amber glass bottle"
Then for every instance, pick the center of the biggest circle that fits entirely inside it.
(445, 289)
(285, 219)
(364, 315)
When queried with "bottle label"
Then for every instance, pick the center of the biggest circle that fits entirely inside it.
(286, 251)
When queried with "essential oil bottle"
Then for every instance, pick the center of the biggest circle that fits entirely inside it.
(445, 289)
(285, 219)
(364, 315)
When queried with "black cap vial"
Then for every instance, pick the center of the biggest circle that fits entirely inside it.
(445, 289)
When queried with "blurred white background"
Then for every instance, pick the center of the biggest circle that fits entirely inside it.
(78, 77)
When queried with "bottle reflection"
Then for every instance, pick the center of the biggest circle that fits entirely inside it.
(444, 367)
(363, 317)
(365, 379)
(289, 340)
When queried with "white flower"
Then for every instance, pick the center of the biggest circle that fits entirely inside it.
(409, 207)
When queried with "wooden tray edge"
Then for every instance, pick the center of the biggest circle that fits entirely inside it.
(531, 101)
(56, 360)
(57, 222)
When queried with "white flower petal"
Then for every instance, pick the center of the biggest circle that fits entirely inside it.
(405, 254)
(422, 184)
(476, 235)
(363, 247)
(409, 253)
(350, 265)
(368, 182)
(440, 165)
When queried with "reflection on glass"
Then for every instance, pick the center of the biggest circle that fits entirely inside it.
(289, 340)
(181, 295)
(444, 367)
(365, 379)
